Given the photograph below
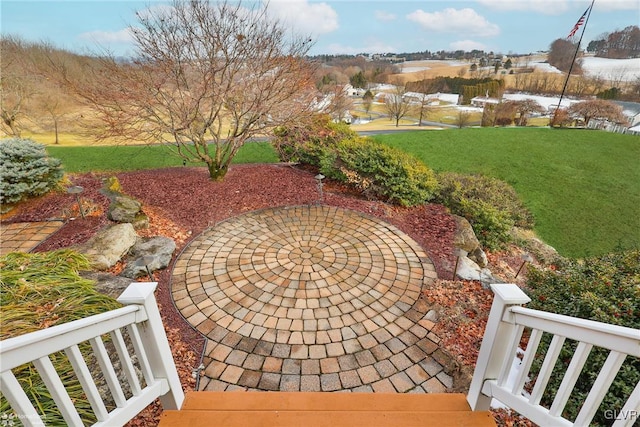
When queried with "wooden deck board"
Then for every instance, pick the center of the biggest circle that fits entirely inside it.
(282, 409)
(324, 419)
(284, 401)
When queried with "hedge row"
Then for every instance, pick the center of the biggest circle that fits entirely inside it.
(385, 173)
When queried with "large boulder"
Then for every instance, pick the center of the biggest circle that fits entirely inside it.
(469, 270)
(153, 253)
(465, 239)
(544, 253)
(127, 209)
(107, 283)
(109, 245)
(123, 208)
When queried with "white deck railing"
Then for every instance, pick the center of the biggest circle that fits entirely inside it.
(506, 324)
(141, 320)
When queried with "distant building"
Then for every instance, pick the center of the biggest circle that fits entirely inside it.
(354, 91)
(481, 101)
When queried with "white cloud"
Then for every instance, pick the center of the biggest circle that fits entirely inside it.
(548, 7)
(382, 15)
(556, 7)
(305, 17)
(108, 37)
(466, 21)
(467, 45)
(610, 5)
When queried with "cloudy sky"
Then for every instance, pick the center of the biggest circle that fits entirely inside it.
(343, 26)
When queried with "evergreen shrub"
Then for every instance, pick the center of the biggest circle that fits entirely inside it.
(490, 205)
(26, 170)
(305, 142)
(379, 171)
(604, 289)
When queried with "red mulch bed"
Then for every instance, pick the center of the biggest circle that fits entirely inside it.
(182, 202)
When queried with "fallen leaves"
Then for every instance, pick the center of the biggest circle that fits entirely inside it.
(463, 308)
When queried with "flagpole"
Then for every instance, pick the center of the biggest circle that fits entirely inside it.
(575, 55)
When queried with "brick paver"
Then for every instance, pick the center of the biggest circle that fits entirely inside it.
(310, 298)
(25, 236)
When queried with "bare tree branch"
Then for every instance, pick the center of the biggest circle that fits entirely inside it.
(207, 78)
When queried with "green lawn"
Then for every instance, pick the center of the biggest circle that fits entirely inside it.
(79, 159)
(583, 187)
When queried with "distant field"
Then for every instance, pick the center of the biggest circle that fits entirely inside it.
(582, 186)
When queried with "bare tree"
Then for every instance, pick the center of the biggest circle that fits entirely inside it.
(338, 103)
(396, 105)
(597, 83)
(561, 54)
(206, 79)
(579, 85)
(421, 107)
(16, 87)
(462, 119)
(597, 109)
(524, 108)
(367, 102)
(57, 106)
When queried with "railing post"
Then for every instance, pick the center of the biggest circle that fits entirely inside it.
(495, 342)
(155, 341)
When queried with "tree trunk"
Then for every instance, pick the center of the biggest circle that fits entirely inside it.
(216, 172)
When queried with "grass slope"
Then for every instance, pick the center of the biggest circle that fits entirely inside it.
(81, 159)
(583, 187)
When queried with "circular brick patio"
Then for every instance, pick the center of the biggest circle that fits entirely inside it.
(309, 298)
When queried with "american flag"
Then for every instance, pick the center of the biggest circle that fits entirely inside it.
(579, 23)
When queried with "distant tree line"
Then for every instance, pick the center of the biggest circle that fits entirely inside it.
(468, 88)
(618, 44)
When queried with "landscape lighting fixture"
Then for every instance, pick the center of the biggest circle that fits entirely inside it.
(77, 190)
(525, 259)
(144, 262)
(319, 179)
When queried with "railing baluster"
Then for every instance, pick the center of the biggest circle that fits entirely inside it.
(143, 360)
(511, 353)
(58, 392)
(527, 360)
(494, 345)
(109, 373)
(630, 412)
(547, 367)
(570, 378)
(125, 361)
(154, 339)
(600, 386)
(86, 380)
(19, 401)
(142, 319)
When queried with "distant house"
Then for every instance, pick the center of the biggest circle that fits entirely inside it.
(354, 91)
(421, 98)
(634, 130)
(631, 111)
(481, 101)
